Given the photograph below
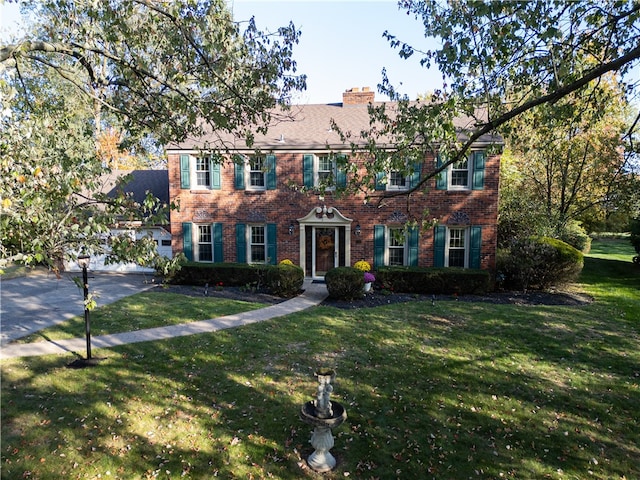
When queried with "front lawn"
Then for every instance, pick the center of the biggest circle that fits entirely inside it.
(451, 391)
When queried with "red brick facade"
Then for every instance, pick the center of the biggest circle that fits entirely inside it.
(221, 220)
(285, 204)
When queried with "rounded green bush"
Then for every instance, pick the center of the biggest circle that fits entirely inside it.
(576, 236)
(285, 280)
(345, 283)
(538, 263)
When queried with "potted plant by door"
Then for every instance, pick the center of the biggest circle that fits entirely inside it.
(369, 278)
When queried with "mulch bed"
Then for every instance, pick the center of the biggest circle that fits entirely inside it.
(232, 293)
(376, 298)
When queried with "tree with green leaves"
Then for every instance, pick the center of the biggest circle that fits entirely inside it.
(156, 71)
(54, 203)
(498, 60)
(569, 158)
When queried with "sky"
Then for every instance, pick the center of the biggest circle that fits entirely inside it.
(341, 45)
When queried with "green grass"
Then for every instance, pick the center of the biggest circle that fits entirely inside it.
(452, 391)
(14, 270)
(613, 250)
(145, 310)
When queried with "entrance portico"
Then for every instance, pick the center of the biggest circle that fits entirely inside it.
(325, 241)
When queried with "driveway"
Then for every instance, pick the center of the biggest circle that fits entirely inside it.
(40, 299)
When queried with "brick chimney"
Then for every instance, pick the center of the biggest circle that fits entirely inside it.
(354, 96)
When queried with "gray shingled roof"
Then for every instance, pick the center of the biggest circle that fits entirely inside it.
(308, 127)
(154, 181)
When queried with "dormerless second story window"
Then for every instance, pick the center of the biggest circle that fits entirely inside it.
(394, 179)
(465, 174)
(397, 181)
(255, 167)
(200, 172)
(203, 172)
(460, 174)
(256, 172)
(324, 171)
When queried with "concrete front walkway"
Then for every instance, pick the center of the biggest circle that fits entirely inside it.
(313, 294)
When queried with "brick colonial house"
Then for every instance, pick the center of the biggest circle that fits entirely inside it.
(249, 210)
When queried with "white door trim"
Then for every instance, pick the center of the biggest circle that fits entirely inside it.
(323, 217)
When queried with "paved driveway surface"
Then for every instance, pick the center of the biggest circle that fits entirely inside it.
(39, 300)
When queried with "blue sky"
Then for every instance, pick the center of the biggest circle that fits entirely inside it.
(341, 44)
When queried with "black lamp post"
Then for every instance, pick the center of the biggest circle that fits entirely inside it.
(83, 262)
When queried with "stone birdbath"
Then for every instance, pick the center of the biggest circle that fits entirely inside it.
(323, 414)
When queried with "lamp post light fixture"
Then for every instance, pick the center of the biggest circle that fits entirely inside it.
(357, 230)
(292, 227)
(83, 262)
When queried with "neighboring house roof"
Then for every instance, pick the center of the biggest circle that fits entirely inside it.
(141, 182)
(308, 127)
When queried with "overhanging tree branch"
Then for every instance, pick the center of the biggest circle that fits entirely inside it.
(551, 97)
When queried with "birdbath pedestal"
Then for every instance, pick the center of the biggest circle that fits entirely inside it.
(323, 414)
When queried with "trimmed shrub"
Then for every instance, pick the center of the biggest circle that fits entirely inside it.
(538, 263)
(231, 274)
(345, 283)
(419, 280)
(285, 280)
(577, 237)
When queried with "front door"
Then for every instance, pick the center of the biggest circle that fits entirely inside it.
(324, 241)
(325, 247)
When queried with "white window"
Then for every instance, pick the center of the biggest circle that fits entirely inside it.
(325, 171)
(397, 181)
(396, 247)
(397, 177)
(257, 244)
(457, 247)
(204, 243)
(203, 172)
(460, 174)
(256, 168)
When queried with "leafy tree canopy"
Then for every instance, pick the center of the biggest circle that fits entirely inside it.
(91, 82)
(569, 157)
(498, 60)
(172, 68)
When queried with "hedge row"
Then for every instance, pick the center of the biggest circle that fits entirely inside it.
(347, 282)
(433, 280)
(282, 280)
